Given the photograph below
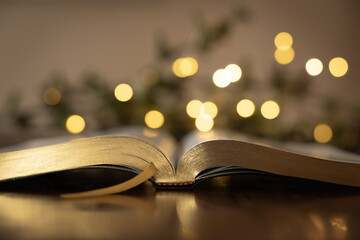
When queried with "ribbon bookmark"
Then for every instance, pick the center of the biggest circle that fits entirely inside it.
(147, 173)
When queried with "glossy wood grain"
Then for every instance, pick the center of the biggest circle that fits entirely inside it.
(220, 208)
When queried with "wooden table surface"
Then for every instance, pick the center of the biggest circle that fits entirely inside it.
(219, 208)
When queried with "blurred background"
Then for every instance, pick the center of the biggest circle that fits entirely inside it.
(285, 70)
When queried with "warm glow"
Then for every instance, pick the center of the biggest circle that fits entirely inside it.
(149, 76)
(193, 108)
(189, 66)
(209, 108)
(245, 108)
(75, 124)
(150, 133)
(154, 119)
(338, 67)
(284, 56)
(185, 67)
(322, 133)
(222, 78)
(314, 67)
(204, 123)
(176, 68)
(283, 41)
(52, 96)
(234, 71)
(123, 92)
(270, 109)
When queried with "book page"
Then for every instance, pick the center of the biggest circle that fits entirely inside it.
(160, 138)
(87, 152)
(267, 156)
(311, 149)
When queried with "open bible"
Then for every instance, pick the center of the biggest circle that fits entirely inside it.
(197, 158)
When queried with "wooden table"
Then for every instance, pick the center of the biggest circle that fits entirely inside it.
(234, 207)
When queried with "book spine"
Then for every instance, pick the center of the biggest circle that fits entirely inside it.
(175, 185)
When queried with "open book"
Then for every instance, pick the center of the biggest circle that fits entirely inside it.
(199, 157)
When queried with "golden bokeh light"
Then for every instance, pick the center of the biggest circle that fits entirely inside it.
(149, 76)
(284, 56)
(245, 108)
(176, 68)
(52, 96)
(283, 41)
(314, 67)
(75, 124)
(221, 78)
(270, 109)
(204, 123)
(150, 133)
(193, 108)
(338, 67)
(234, 71)
(189, 66)
(322, 133)
(185, 67)
(123, 92)
(209, 108)
(154, 119)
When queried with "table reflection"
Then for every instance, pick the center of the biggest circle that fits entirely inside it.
(215, 212)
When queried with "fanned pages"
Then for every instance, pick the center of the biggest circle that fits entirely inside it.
(204, 160)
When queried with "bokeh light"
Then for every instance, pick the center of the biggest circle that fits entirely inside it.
(204, 123)
(234, 71)
(75, 124)
(284, 56)
(314, 67)
(123, 92)
(209, 108)
(154, 119)
(338, 67)
(193, 108)
(283, 41)
(150, 133)
(51, 96)
(245, 108)
(176, 68)
(185, 67)
(270, 109)
(322, 133)
(221, 78)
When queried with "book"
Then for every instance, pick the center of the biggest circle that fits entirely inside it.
(200, 157)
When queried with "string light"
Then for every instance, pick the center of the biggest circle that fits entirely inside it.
(75, 124)
(209, 108)
(284, 56)
(234, 71)
(314, 67)
(123, 92)
(222, 78)
(204, 123)
(338, 67)
(284, 53)
(185, 67)
(245, 108)
(52, 96)
(154, 119)
(270, 109)
(193, 108)
(283, 41)
(322, 133)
